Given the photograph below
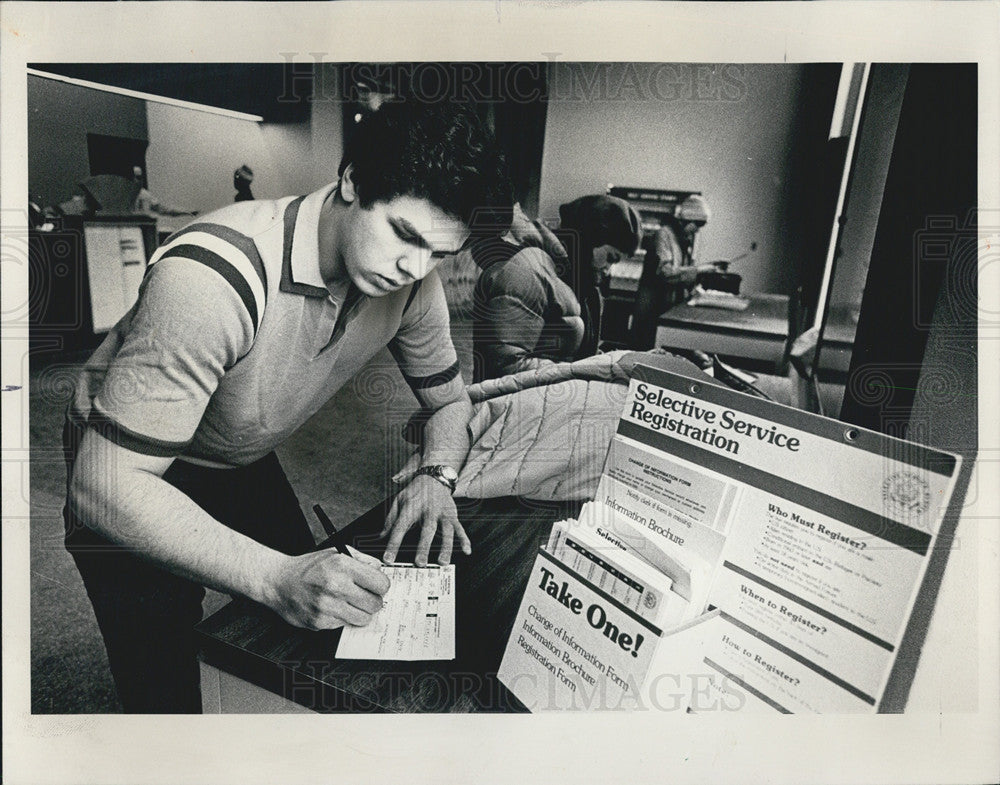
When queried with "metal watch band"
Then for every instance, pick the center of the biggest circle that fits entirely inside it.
(445, 475)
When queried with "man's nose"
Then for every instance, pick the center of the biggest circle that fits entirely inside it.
(412, 264)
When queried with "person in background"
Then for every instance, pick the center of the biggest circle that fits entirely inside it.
(247, 322)
(537, 300)
(692, 214)
(242, 178)
(148, 203)
(669, 270)
(667, 279)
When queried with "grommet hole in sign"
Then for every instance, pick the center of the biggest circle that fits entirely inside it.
(851, 434)
(694, 389)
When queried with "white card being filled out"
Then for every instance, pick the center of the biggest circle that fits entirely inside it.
(417, 620)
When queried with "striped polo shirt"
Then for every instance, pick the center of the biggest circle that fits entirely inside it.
(235, 341)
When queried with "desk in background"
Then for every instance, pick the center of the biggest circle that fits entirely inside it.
(838, 342)
(753, 338)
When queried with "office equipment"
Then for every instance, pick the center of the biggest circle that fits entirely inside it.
(713, 298)
(111, 193)
(116, 264)
(84, 276)
(684, 211)
(624, 275)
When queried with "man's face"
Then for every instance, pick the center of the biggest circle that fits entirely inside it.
(604, 257)
(391, 244)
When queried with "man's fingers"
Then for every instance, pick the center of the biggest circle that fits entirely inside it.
(344, 612)
(335, 611)
(447, 541)
(363, 600)
(430, 511)
(463, 538)
(368, 578)
(359, 587)
(424, 545)
(399, 529)
(390, 519)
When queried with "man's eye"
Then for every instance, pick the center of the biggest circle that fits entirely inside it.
(403, 235)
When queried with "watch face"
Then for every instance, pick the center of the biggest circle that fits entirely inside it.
(448, 473)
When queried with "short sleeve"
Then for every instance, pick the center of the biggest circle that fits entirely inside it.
(189, 326)
(423, 349)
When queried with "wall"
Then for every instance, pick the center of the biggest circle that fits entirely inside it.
(59, 118)
(727, 131)
(326, 126)
(192, 154)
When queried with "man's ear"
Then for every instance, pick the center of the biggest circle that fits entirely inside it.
(347, 190)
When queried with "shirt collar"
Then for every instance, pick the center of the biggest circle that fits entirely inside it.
(300, 273)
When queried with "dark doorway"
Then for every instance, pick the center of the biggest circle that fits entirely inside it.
(116, 155)
(925, 241)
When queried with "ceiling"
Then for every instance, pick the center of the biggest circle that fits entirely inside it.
(274, 91)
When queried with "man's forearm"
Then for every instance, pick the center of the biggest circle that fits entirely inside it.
(141, 511)
(137, 509)
(446, 437)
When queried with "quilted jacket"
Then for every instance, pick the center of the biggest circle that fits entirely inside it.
(544, 433)
(526, 317)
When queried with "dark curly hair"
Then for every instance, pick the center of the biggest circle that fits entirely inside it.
(440, 152)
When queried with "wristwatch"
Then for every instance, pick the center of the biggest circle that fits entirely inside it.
(443, 474)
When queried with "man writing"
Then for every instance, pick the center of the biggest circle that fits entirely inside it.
(247, 322)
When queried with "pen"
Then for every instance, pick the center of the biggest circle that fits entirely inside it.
(330, 529)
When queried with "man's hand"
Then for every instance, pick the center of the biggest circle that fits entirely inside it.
(325, 590)
(427, 501)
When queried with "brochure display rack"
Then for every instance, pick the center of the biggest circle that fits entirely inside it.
(774, 554)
